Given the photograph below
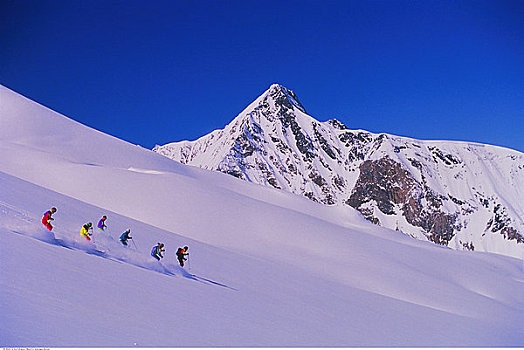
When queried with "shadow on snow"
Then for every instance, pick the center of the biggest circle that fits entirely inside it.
(112, 250)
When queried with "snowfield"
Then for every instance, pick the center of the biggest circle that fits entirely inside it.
(266, 267)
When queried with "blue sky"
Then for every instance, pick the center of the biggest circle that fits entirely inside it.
(153, 72)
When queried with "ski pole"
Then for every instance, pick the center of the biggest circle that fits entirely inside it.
(134, 244)
(188, 262)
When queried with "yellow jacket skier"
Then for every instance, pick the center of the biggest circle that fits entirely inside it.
(85, 230)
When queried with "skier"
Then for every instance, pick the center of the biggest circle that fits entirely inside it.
(46, 219)
(102, 223)
(180, 254)
(85, 230)
(125, 236)
(157, 251)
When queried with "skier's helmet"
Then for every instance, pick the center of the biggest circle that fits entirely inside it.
(128, 230)
(161, 244)
(104, 217)
(186, 248)
(89, 224)
(53, 209)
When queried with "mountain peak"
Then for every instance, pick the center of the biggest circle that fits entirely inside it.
(276, 86)
(284, 96)
(404, 184)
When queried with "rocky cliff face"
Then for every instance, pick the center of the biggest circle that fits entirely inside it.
(395, 191)
(463, 195)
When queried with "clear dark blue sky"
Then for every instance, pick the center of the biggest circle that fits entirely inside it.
(152, 72)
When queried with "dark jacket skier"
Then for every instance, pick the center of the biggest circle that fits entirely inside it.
(125, 236)
(180, 254)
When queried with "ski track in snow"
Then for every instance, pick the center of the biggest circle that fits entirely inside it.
(111, 250)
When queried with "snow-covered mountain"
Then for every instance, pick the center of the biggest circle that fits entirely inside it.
(266, 268)
(460, 194)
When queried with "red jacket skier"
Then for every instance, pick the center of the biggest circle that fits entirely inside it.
(46, 219)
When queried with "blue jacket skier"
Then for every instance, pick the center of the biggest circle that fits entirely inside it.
(157, 251)
(125, 236)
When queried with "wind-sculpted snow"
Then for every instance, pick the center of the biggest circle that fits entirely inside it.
(463, 195)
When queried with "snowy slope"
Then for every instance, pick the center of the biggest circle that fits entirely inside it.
(268, 268)
(459, 194)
